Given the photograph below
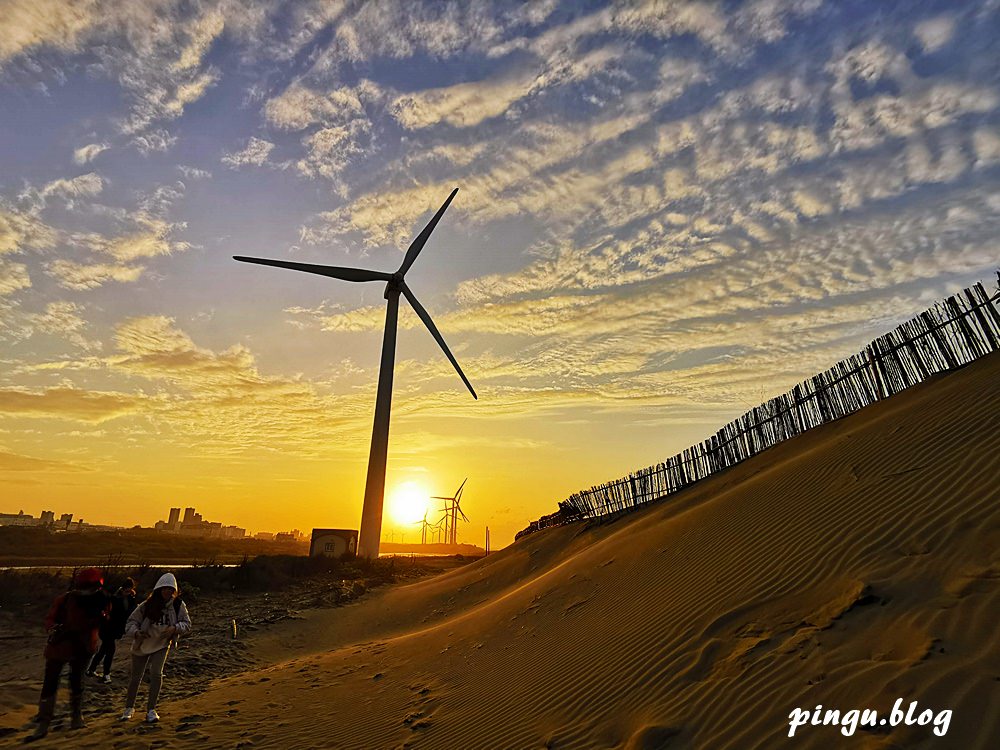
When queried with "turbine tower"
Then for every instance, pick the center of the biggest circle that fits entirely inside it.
(371, 513)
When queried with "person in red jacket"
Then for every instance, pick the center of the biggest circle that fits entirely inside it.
(73, 623)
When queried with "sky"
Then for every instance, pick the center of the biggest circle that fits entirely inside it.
(668, 212)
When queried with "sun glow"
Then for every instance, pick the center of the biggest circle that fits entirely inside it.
(409, 503)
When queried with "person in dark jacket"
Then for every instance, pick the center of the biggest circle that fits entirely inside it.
(72, 623)
(122, 604)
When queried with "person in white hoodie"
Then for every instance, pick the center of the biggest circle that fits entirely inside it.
(153, 626)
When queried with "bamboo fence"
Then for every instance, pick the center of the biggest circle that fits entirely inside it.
(953, 333)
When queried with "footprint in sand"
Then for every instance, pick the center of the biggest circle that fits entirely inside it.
(417, 721)
(193, 736)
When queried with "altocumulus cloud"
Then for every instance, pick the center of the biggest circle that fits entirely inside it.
(17, 462)
(68, 403)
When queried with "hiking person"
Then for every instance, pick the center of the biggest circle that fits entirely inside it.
(154, 626)
(122, 605)
(72, 623)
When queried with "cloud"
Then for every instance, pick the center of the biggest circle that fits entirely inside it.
(155, 51)
(63, 319)
(668, 204)
(331, 150)
(299, 107)
(469, 104)
(154, 346)
(33, 23)
(464, 104)
(935, 33)
(88, 153)
(151, 240)
(68, 403)
(193, 173)
(20, 231)
(13, 277)
(255, 153)
(344, 127)
(222, 399)
(153, 141)
(201, 33)
(16, 462)
(84, 186)
(400, 29)
(81, 276)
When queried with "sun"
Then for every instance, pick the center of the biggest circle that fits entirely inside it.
(409, 502)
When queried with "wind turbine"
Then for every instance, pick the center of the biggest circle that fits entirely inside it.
(424, 525)
(451, 511)
(371, 512)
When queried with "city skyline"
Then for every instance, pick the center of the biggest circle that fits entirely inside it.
(668, 213)
(175, 522)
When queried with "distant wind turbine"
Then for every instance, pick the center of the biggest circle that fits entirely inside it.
(371, 512)
(452, 508)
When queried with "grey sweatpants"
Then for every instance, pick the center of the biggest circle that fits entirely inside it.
(156, 660)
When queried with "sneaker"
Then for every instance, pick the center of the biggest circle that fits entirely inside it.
(152, 717)
(106, 679)
(127, 714)
(90, 673)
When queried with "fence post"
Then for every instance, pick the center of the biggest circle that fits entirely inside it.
(942, 343)
(983, 322)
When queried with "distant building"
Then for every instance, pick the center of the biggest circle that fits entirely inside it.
(17, 519)
(48, 517)
(289, 536)
(267, 536)
(194, 524)
(65, 520)
(333, 542)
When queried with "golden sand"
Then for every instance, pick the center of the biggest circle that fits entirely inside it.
(849, 567)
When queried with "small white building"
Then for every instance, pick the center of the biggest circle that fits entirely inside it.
(333, 542)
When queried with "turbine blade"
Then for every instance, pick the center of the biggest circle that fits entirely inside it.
(424, 316)
(418, 244)
(335, 272)
(459, 493)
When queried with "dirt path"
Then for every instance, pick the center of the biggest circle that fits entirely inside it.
(271, 627)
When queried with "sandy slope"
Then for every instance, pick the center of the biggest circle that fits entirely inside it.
(852, 566)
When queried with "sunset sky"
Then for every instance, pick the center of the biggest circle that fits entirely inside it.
(668, 212)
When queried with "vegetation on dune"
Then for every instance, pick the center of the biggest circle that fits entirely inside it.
(29, 592)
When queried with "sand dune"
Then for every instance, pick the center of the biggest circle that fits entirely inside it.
(849, 567)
